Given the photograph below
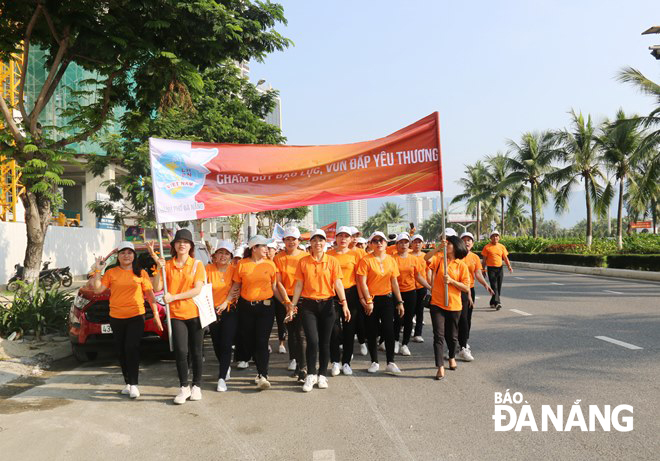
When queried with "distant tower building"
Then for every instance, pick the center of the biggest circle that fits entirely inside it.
(352, 213)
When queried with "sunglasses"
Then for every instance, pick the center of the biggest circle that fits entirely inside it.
(377, 240)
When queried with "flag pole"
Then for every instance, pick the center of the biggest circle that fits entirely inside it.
(167, 305)
(442, 206)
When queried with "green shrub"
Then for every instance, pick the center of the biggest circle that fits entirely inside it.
(560, 258)
(634, 262)
(641, 244)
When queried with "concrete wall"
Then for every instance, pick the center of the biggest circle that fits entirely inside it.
(65, 246)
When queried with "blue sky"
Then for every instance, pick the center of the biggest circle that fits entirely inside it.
(362, 69)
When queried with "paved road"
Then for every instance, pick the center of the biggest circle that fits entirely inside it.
(543, 343)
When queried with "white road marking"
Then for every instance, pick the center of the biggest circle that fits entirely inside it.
(619, 343)
(520, 278)
(323, 455)
(476, 297)
(519, 312)
(613, 292)
(555, 283)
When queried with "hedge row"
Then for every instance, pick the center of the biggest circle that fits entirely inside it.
(634, 262)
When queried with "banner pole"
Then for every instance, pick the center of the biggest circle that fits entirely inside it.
(444, 252)
(167, 305)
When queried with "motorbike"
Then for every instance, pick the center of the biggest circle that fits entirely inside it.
(47, 277)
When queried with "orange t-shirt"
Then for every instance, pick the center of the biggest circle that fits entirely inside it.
(348, 262)
(391, 250)
(494, 254)
(126, 292)
(378, 274)
(458, 271)
(423, 269)
(256, 279)
(473, 263)
(318, 277)
(409, 267)
(220, 281)
(180, 280)
(286, 265)
(361, 252)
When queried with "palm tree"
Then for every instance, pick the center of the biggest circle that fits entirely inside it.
(474, 184)
(497, 172)
(432, 227)
(518, 219)
(585, 164)
(392, 213)
(635, 77)
(531, 164)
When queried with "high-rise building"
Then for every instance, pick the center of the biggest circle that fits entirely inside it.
(419, 208)
(352, 213)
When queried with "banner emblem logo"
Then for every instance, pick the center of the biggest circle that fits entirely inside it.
(180, 174)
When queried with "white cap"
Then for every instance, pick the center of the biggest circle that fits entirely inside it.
(467, 234)
(123, 245)
(345, 230)
(272, 245)
(291, 232)
(361, 240)
(449, 232)
(417, 237)
(258, 240)
(320, 232)
(494, 233)
(355, 230)
(403, 236)
(238, 253)
(377, 234)
(225, 245)
(280, 245)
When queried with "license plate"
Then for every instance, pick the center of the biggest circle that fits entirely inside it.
(106, 328)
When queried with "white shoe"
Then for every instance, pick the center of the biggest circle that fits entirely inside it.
(363, 349)
(397, 347)
(405, 351)
(222, 386)
(310, 380)
(346, 369)
(465, 355)
(228, 374)
(256, 379)
(467, 346)
(282, 349)
(322, 382)
(373, 368)
(195, 393)
(292, 365)
(381, 347)
(417, 339)
(270, 349)
(126, 390)
(336, 369)
(134, 392)
(182, 396)
(263, 383)
(392, 368)
(242, 365)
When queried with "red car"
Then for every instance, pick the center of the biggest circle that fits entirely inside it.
(89, 317)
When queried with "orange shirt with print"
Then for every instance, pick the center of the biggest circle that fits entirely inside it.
(220, 281)
(494, 254)
(473, 263)
(379, 274)
(409, 267)
(180, 280)
(256, 279)
(126, 292)
(318, 277)
(423, 269)
(286, 265)
(348, 262)
(458, 271)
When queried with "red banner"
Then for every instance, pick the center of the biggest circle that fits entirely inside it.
(329, 229)
(200, 180)
(641, 224)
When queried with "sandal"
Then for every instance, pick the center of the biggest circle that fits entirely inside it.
(439, 376)
(455, 366)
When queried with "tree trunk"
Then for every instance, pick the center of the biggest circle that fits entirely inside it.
(619, 215)
(533, 189)
(478, 221)
(587, 196)
(37, 218)
(502, 215)
(654, 216)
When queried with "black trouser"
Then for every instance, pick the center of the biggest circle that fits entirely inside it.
(337, 332)
(348, 333)
(409, 305)
(127, 334)
(381, 321)
(188, 336)
(318, 318)
(297, 342)
(419, 310)
(360, 322)
(465, 320)
(255, 322)
(222, 334)
(445, 329)
(280, 314)
(495, 276)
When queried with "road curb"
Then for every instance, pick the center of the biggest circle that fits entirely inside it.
(602, 271)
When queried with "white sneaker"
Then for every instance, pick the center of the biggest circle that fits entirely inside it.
(282, 349)
(310, 380)
(346, 369)
(228, 374)
(270, 349)
(392, 368)
(467, 346)
(373, 368)
(465, 355)
(256, 379)
(126, 390)
(405, 351)
(381, 346)
(363, 349)
(336, 369)
(263, 383)
(134, 392)
(323, 382)
(417, 339)
(292, 365)
(195, 393)
(242, 365)
(182, 396)
(397, 347)
(222, 386)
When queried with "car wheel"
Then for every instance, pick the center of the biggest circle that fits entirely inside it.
(82, 354)
(67, 280)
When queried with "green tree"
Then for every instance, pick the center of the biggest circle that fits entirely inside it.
(144, 54)
(497, 171)
(431, 229)
(266, 220)
(389, 213)
(474, 184)
(647, 86)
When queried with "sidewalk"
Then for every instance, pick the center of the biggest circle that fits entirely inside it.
(602, 271)
(29, 357)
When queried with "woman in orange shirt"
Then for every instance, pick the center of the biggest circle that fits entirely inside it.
(445, 316)
(318, 280)
(377, 278)
(129, 284)
(416, 250)
(412, 270)
(220, 274)
(185, 278)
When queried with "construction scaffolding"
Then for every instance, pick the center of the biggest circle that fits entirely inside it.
(10, 188)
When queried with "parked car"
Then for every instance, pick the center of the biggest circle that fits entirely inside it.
(89, 316)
